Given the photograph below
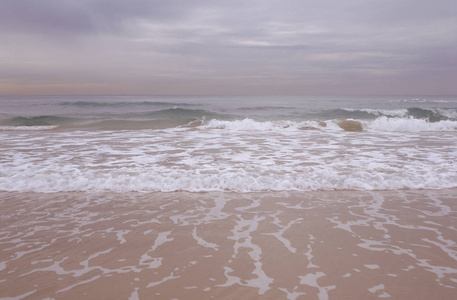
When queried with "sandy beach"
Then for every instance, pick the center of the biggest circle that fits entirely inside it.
(241, 150)
(283, 245)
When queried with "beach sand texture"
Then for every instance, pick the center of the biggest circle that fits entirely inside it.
(281, 245)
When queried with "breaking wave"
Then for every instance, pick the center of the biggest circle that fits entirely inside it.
(406, 124)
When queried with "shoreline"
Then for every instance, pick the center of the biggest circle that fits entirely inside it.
(277, 245)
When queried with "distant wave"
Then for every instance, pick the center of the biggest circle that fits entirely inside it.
(421, 100)
(37, 120)
(91, 104)
(177, 116)
(264, 108)
(174, 117)
(432, 115)
(406, 120)
(160, 119)
(179, 112)
(368, 113)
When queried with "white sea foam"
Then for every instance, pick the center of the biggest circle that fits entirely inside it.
(237, 181)
(22, 296)
(382, 123)
(372, 267)
(402, 112)
(311, 280)
(251, 125)
(134, 295)
(449, 113)
(409, 125)
(379, 288)
(155, 283)
(232, 156)
(202, 242)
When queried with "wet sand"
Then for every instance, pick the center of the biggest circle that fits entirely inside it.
(282, 245)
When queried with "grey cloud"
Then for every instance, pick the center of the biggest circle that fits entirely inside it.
(49, 17)
(206, 42)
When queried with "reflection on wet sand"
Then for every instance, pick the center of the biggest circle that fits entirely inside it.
(282, 245)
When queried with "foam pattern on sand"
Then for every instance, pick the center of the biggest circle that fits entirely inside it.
(285, 245)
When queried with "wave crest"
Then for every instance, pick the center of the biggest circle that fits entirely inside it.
(37, 121)
(429, 114)
(383, 123)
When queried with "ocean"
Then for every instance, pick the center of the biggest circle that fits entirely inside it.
(278, 197)
(238, 144)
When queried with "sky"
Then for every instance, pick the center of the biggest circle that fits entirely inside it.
(231, 47)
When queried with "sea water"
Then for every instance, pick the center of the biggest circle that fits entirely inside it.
(237, 144)
(312, 197)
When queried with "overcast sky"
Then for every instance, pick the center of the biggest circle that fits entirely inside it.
(340, 47)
